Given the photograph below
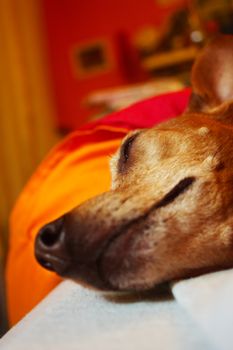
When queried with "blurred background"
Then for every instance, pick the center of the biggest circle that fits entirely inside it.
(65, 63)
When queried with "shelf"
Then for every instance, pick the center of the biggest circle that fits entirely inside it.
(172, 58)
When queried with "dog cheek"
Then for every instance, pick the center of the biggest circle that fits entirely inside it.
(130, 262)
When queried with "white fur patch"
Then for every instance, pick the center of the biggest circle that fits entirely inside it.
(211, 162)
(226, 234)
(203, 131)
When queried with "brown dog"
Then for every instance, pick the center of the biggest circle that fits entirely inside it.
(169, 213)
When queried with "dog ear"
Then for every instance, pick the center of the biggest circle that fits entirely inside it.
(212, 76)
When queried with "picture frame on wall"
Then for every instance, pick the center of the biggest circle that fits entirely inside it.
(92, 58)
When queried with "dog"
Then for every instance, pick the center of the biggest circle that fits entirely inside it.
(169, 213)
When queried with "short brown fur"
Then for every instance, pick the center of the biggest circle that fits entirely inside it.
(123, 239)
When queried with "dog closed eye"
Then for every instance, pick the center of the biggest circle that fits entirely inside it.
(125, 151)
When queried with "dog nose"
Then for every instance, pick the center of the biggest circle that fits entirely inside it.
(50, 248)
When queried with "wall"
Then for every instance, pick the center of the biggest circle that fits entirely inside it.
(74, 21)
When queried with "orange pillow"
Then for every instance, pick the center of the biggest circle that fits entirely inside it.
(74, 171)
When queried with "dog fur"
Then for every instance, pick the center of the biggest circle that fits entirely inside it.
(169, 213)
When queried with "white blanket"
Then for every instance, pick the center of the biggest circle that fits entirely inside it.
(209, 301)
(71, 317)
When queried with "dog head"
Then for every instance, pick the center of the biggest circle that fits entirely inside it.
(169, 213)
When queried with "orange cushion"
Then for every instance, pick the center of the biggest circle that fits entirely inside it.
(74, 171)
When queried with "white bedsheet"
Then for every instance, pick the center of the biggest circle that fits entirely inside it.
(72, 317)
(209, 301)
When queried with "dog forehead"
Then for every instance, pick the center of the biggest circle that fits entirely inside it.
(178, 135)
(194, 139)
(194, 126)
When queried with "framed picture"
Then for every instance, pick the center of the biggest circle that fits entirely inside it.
(92, 58)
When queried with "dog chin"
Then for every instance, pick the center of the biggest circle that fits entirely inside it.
(120, 284)
(134, 277)
(124, 284)
(121, 280)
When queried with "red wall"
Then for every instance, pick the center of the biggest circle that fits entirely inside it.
(75, 21)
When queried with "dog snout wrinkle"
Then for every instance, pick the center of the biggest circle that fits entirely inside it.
(52, 246)
(174, 193)
(180, 188)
